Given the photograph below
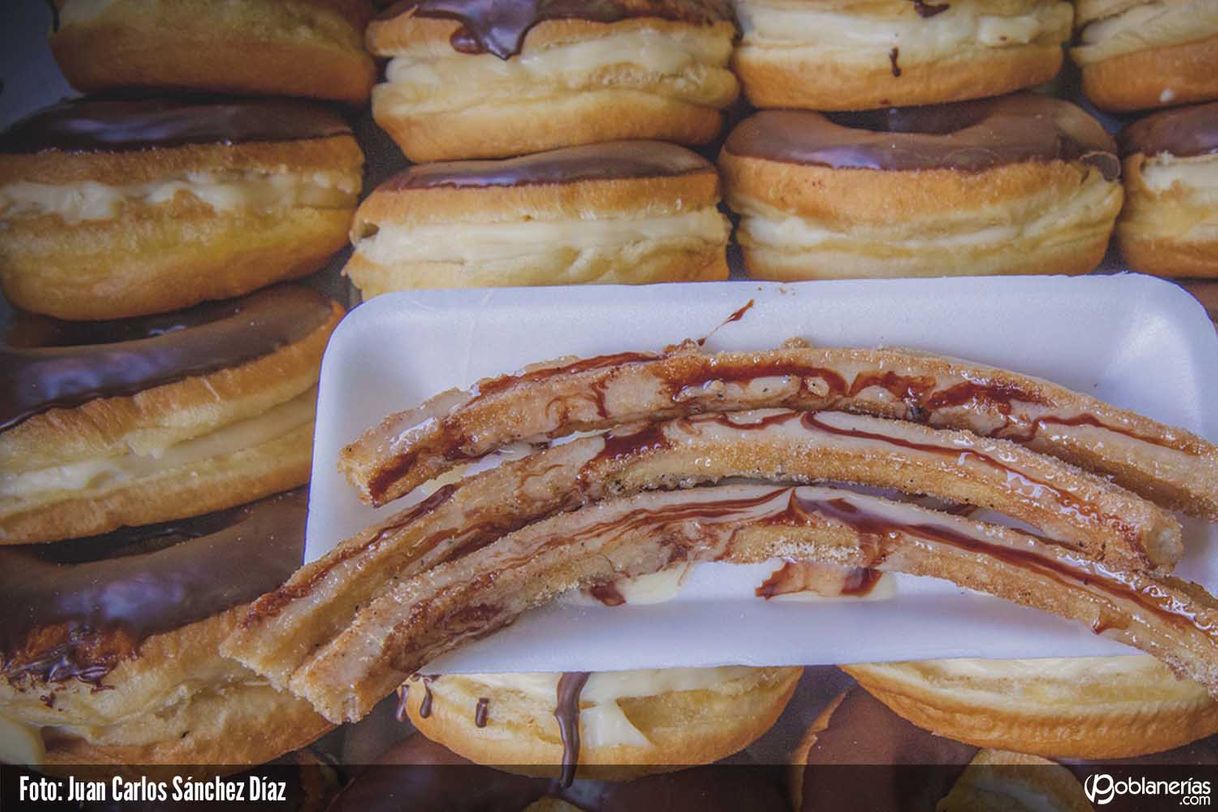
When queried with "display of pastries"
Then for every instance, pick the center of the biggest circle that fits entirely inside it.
(159, 374)
(310, 48)
(116, 208)
(1025, 184)
(622, 212)
(491, 80)
(1169, 225)
(1143, 54)
(864, 54)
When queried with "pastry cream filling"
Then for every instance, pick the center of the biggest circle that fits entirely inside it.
(111, 471)
(854, 33)
(421, 82)
(1180, 201)
(473, 243)
(223, 192)
(1194, 176)
(1147, 25)
(769, 227)
(601, 720)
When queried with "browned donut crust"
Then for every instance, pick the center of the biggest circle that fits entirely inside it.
(1093, 708)
(822, 84)
(309, 48)
(1157, 77)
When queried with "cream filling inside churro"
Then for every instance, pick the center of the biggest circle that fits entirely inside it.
(1088, 208)
(601, 720)
(1147, 25)
(692, 61)
(222, 191)
(108, 472)
(859, 34)
(479, 242)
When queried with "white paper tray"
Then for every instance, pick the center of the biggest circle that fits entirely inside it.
(1135, 341)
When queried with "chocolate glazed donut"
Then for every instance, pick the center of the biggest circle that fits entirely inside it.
(119, 208)
(1021, 184)
(145, 420)
(495, 79)
(1169, 225)
(621, 212)
(111, 641)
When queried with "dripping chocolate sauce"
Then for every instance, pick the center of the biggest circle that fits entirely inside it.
(399, 712)
(792, 577)
(608, 594)
(566, 712)
(927, 10)
(425, 704)
(893, 56)
(499, 28)
(480, 711)
(737, 315)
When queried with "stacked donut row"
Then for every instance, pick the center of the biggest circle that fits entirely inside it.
(158, 389)
(152, 211)
(1023, 184)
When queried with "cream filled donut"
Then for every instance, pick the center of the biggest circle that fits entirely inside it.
(311, 48)
(623, 212)
(111, 209)
(1093, 707)
(1169, 225)
(141, 421)
(1140, 54)
(490, 80)
(862, 54)
(109, 649)
(1018, 185)
(641, 721)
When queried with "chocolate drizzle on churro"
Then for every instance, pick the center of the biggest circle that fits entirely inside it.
(927, 10)
(403, 692)
(566, 711)
(893, 56)
(480, 711)
(45, 364)
(736, 316)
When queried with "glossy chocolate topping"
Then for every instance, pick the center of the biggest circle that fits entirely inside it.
(500, 26)
(45, 364)
(420, 774)
(566, 712)
(113, 125)
(969, 136)
(57, 600)
(614, 161)
(1183, 132)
